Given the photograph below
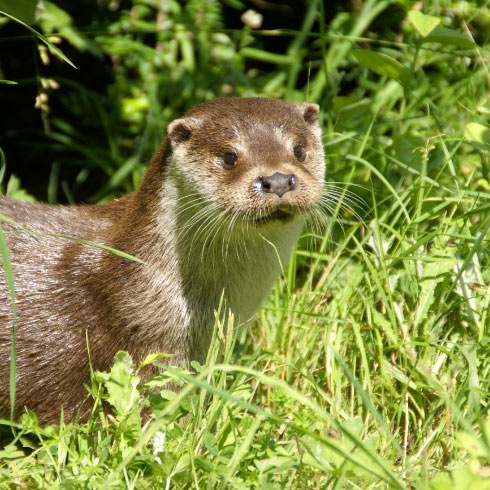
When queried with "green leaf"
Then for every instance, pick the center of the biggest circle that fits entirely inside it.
(15, 191)
(406, 147)
(350, 109)
(464, 478)
(442, 481)
(211, 444)
(53, 18)
(472, 444)
(382, 64)
(121, 384)
(477, 133)
(204, 464)
(422, 22)
(151, 359)
(444, 35)
(25, 10)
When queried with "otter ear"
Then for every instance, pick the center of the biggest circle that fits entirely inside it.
(179, 131)
(310, 112)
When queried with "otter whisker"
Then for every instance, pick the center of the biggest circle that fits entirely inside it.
(230, 230)
(348, 199)
(349, 196)
(193, 220)
(227, 237)
(346, 184)
(342, 206)
(209, 218)
(205, 208)
(187, 196)
(189, 205)
(213, 218)
(213, 232)
(344, 202)
(318, 220)
(201, 217)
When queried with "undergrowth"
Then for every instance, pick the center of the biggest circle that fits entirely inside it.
(368, 366)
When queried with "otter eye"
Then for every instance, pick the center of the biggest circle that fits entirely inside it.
(300, 153)
(229, 160)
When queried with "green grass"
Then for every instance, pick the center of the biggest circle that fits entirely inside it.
(369, 364)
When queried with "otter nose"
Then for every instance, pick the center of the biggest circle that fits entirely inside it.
(278, 183)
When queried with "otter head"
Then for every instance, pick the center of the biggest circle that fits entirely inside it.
(259, 160)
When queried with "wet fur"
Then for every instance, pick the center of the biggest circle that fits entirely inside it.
(190, 221)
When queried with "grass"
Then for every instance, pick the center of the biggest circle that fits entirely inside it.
(368, 366)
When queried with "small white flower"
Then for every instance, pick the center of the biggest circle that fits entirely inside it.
(158, 444)
(252, 19)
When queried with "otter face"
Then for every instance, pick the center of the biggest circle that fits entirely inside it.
(259, 159)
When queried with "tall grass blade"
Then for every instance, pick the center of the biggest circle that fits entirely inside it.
(9, 277)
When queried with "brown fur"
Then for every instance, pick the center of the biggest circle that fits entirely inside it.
(191, 222)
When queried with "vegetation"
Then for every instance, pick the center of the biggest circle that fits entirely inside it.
(369, 364)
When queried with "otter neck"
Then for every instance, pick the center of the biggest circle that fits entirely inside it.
(212, 254)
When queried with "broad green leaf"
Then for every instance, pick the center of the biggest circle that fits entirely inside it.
(350, 109)
(464, 478)
(340, 102)
(15, 191)
(473, 445)
(484, 109)
(477, 133)
(382, 64)
(444, 35)
(25, 10)
(351, 105)
(122, 387)
(406, 147)
(54, 18)
(422, 22)
(122, 384)
(442, 481)
(204, 464)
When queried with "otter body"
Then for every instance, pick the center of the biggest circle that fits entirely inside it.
(221, 205)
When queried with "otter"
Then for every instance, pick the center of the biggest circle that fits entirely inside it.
(220, 207)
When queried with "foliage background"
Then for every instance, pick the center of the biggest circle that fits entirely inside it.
(368, 365)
